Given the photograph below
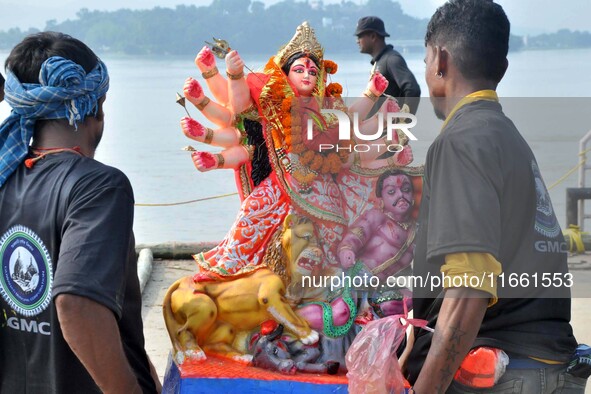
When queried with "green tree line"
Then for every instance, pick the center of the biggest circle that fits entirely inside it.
(562, 39)
(247, 25)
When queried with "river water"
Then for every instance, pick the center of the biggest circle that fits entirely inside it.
(546, 93)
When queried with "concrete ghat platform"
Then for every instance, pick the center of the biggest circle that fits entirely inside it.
(166, 272)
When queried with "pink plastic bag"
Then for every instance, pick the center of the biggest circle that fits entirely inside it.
(371, 360)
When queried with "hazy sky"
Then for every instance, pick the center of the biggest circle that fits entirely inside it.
(527, 16)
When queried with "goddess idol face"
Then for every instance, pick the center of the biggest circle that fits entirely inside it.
(303, 75)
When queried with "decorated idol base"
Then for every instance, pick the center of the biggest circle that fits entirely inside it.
(220, 376)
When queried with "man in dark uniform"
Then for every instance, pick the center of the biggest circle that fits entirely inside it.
(402, 85)
(485, 217)
(69, 289)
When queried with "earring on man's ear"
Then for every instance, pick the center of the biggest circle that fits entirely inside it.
(439, 75)
(381, 205)
(412, 203)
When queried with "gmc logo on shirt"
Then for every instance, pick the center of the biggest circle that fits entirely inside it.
(25, 325)
(551, 247)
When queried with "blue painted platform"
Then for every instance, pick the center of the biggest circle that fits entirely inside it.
(231, 377)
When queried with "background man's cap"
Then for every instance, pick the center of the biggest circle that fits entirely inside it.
(371, 23)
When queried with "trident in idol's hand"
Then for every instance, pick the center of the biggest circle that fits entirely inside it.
(180, 100)
(221, 48)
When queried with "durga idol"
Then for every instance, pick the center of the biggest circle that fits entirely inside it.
(291, 218)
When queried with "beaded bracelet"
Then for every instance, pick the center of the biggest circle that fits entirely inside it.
(203, 104)
(221, 160)
(369, 94)
(344, 247)
(208, 136)
(235, 76)
(250, 151)
(211, 73)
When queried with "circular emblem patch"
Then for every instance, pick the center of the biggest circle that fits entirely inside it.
(27, 274)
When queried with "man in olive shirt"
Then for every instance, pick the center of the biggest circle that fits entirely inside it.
(485, 210)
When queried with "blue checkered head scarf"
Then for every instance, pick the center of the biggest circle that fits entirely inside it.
(64, 91)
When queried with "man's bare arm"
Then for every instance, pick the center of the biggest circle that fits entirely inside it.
(92, 333)
(155, 377)
(458, 323)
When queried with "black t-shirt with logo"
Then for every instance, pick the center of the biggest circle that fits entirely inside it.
(65, 227)
(483, 193)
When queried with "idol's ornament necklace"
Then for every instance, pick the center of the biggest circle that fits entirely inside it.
(404, 225)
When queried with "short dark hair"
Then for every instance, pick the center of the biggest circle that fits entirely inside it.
(387, 174)
(297, 56)
(1, 80)
(476, 33)
(26, 58)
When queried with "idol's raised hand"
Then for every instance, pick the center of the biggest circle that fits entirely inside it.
(346, 258)
(377, 84)
(375, 88)
(194, 93)
(217, 84)
(238, 91)
(232, 157)
(234, 64)
(205, 59)
(213, 111)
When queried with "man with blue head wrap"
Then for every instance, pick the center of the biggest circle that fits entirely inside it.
(68, 283)
(1, 87)
(4, 107)
(63, 91)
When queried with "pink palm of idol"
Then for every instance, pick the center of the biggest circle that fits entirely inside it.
(204, 160)
(379, 82)
(205, 59)
(193, 129)
(193, 91)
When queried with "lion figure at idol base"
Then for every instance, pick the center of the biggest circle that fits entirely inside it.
(216, 317)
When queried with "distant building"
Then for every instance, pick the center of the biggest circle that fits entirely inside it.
(315, 4)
